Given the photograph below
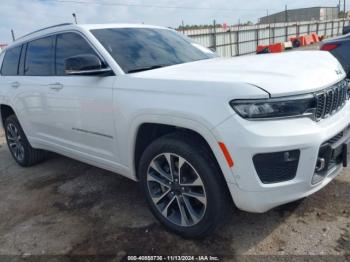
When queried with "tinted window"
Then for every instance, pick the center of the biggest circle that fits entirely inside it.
(68, 45)
(137, 49)
(11, 60)
(40, 57)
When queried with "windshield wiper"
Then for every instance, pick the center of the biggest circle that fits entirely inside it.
(145, 68)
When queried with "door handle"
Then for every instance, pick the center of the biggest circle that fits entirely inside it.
(56, 86)
(15, 84)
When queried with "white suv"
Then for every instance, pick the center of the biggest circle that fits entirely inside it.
(196, 130)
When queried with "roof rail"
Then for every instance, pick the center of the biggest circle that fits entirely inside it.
(64, 24)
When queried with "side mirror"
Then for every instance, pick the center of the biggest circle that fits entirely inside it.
(85, 65)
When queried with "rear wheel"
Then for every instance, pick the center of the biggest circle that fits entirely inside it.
(183, 185)
(18, 144)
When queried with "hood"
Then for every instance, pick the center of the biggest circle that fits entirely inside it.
(281, 74)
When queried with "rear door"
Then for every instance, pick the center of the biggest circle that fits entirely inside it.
(36, 70)
(12, 84)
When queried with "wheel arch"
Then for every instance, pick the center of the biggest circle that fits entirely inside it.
(147, 131)
(5, 111)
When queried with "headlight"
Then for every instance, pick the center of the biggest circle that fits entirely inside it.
(275, 108)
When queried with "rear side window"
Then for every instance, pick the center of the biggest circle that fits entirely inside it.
(11, 60)
(68, 45)
(40, 57)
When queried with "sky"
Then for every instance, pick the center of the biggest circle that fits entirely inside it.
(24, 16)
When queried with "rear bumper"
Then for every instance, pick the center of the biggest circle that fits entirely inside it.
(245, 139)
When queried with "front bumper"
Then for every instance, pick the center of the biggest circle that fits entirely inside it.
(245, 139)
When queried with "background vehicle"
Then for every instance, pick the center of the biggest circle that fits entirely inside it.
(340, 48)
(196, 131)
(346, 30)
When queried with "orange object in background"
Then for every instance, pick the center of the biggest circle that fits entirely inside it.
(315, 37)
(275, 48)
(306, 40)
(309, 40)
(295, 42)
(293, 38)
(302, 41)
(262, 49)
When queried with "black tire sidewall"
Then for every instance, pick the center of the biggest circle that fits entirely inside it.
(13, 120)
(208, 172)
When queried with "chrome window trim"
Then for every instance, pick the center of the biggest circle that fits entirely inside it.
(59, 32)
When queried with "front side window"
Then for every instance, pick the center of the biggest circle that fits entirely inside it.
(139, 49)
(11, 60)
(69, 45)
(40, 57)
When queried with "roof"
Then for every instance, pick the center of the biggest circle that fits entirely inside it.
(69, 26)
(102, 26)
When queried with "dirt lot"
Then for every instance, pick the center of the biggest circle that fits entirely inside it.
(65, 207)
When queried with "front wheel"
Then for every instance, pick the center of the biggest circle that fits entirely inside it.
(183, 185)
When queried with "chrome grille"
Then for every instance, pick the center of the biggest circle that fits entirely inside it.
(331, 100)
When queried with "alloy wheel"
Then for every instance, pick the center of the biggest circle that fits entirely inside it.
(15, 141)
(176, 189)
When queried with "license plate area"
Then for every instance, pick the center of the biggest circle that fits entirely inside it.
(346, 153)
(334, 152)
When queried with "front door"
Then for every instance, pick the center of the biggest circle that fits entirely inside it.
(80, 108)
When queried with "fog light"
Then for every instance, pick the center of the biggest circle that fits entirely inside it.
(277, 167)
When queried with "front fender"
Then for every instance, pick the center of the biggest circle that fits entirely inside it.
(207, 132)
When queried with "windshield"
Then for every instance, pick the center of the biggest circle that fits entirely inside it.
(139, 49)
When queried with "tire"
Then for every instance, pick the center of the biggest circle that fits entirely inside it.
(200, 176)
(266, 50)
(296, 43)
(18, 144)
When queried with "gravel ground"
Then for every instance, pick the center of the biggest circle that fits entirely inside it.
(65, 207)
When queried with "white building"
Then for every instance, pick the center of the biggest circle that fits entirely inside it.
(302, 14)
